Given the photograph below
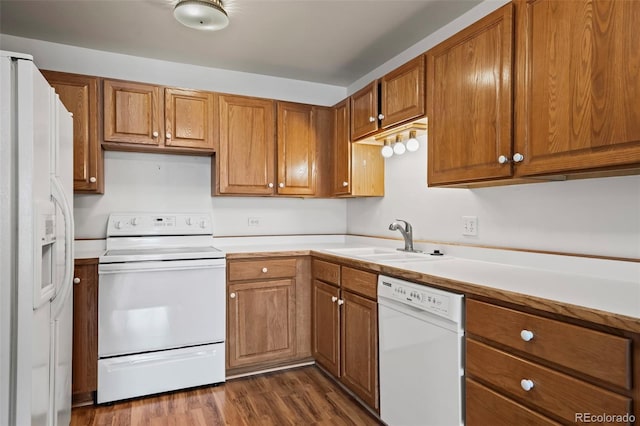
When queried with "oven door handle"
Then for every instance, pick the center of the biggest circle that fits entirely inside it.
(173, 265)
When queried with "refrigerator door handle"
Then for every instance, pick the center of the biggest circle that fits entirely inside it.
(60, 198)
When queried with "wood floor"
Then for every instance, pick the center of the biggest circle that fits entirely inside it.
(302, 396)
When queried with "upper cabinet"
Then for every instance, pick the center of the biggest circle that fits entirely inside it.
(80, 95)
(188, 118)
(396, 98)
(298, 129)
(271, 148)
(578, 88)
(402, 94)
(364, 111)
(245, 154)
(469, 102)
(358, 168)
(574, 95)
(138, 115)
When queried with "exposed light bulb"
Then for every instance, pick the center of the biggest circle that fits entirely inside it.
(387, 151)
(412, 143)
(399, 148)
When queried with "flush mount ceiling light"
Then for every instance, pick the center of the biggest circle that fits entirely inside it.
(201, 14)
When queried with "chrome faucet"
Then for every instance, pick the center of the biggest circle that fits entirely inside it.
(407, 234)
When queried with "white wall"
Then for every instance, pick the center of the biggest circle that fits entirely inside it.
(591, 216)
(181, 183)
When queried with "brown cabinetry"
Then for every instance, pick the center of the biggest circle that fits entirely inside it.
(267, 318)
(145, 117)
(469, 102)
(577, 85)
(396, 98)
(80, 95)
(538, 89)
(246, 148)
(296, 149)
(541, 368)
(345, 327)
(358, 168)
(84, 378)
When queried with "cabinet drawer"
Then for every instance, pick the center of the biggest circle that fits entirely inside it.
(486, 407)
(260, 269)
(552, 391)
(327, 272)
(600, 355)
(361, 282)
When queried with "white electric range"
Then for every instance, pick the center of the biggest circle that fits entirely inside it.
(161, 305)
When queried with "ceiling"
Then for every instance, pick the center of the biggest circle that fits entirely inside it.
(327, 41)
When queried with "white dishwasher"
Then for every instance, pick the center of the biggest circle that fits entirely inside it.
(421, 336)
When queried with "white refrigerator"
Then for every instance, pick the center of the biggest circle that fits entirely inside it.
(36, 248)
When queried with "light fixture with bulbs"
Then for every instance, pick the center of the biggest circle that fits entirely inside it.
(208, 15)
(412, 143)
(398, 147)
(400, 139)
(387, 151)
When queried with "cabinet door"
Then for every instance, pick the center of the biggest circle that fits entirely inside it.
(364, 111)
(132, 113)
(469, 102)
(342, 151)
(84, 377)
(261, 322)
(246, 152)
(296, 149)
(326, 326)
(79, 94)
(577, 104)
(188, 118)
(402, 93)
(359, 357)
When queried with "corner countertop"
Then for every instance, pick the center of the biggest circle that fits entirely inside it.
(601, 291)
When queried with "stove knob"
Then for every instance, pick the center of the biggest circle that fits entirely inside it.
(203, 224)
(118, 224)
(134, 221)
(189, 221)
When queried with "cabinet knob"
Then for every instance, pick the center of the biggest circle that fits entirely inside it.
(334, 299)
(526, 335)
(168, 135)
(155, 134)
(526, 384)
(372, 119)
(270, 185)
(503, 159)
(76, 280)
(92, 179)
(281, 185)
(265, 270)
(345, 184)
(340, 302)
(517, 157)
(232, 295)
(380, 116)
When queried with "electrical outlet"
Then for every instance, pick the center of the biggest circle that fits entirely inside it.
(253, 221)
(470, 225)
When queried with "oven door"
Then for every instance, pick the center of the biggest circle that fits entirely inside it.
(148, 306)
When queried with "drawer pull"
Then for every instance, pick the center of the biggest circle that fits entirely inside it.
(264, 270)
(526, 384)
(334, 299)
(526, 335)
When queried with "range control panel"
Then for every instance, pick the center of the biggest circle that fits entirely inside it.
(141, 224)
(435, 301)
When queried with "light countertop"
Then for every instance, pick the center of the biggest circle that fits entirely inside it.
(605, 291)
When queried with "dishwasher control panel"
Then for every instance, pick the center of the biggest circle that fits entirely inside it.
(435, 301)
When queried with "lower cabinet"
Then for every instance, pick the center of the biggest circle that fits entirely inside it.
(522, 368)
(84, 380)
(267, 313)
(345, 327)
